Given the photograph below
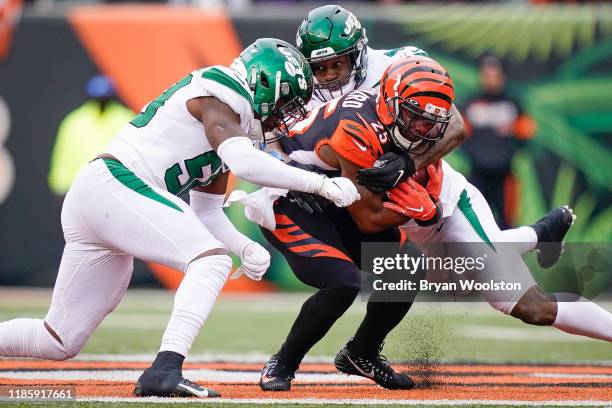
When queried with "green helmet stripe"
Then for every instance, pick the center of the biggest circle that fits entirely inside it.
(215, 74)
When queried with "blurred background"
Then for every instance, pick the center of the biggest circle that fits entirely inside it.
(533, 81)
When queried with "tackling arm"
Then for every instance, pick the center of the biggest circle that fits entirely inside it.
(223, 130)
(455, 135)
(369, 213)
(207, 203)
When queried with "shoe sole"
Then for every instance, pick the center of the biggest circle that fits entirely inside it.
(274, 387)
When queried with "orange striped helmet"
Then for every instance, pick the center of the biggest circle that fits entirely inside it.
(416, 94)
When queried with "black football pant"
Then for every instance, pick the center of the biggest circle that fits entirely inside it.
(324, 251)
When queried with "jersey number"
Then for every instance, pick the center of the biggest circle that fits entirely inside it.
(145, 117)
(201, 171)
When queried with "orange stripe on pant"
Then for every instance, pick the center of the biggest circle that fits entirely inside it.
(326, 251)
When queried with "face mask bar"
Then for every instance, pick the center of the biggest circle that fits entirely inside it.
(281, 119)
(329, 90)
(415, 130)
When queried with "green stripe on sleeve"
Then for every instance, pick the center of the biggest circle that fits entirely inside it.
(215, 74)
(466, 208)
(131, 181)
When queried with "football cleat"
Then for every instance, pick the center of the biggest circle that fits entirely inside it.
(276, 376)
(375, 367)
(169, 382)
(551, 230)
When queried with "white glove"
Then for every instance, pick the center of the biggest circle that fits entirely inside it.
(255, 261)
(339, 190)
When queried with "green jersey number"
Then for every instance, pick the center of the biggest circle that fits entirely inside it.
(145, 117)
(207, 165)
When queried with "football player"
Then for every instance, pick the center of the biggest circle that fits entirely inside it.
(124, 205)
(335, 44)
(352, 133)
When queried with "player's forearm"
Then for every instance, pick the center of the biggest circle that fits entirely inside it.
(260, 168)
(209, 210)
(455, 135)
(370, 215)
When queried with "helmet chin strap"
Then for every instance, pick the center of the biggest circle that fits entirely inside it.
(351, 85)
(400, 141)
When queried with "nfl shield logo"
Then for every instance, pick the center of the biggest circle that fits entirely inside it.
(285, 88)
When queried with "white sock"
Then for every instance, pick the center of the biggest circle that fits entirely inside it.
(29, 338)
(584, 318)
(524, 238)
(194, 300)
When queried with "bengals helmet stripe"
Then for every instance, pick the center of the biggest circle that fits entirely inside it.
(418, 68)
(432, 94)
(416, 81)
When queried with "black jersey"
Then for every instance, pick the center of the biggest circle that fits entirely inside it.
(349, 124)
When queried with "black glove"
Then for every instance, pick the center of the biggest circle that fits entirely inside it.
(307, 202)
(388, 171)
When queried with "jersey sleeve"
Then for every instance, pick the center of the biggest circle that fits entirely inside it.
(356, 142)
(217, 81)
(403, 52)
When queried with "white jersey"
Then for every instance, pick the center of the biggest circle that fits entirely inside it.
(166, 146)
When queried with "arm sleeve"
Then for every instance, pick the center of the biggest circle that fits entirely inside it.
(260, 168)
(209, 209)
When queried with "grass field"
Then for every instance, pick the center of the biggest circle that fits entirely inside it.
(470, 343)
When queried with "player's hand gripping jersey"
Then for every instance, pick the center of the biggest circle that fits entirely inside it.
(351, 127)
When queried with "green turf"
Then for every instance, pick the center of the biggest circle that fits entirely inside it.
(241, 324)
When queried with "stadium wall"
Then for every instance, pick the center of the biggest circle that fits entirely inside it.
(559, 61)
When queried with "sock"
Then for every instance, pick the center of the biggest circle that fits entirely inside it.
(524, 238)
(584, 318)
(193, 301)
(380, 319)
(316, 317)
(30, 338)
(168, 359)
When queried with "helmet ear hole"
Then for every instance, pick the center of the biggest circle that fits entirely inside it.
(263, 79)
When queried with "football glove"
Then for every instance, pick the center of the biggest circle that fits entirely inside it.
(339, 190)
(411, 200)
(255, 261)
(387, 172)
(434, 184)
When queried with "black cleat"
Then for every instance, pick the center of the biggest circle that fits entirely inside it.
(551, 230)
(169, 382)
(276, 375)
(374, 367)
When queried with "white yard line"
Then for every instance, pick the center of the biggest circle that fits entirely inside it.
(255, 357)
